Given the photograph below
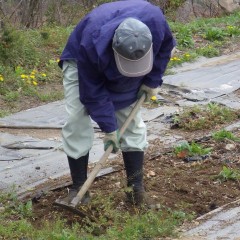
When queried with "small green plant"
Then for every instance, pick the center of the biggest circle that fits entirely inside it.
(224, 134)
(214, 33)
(184, 37)
(25, 209)
(232, 31)
(3, 113)
(11, 96)
(50, 96)
(188, 150)
(19, 71)
(15, 206)
(228, 174)
(178, 60)
(45, 35)
(208, 51)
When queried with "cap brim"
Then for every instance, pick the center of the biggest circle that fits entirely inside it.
(134, 68)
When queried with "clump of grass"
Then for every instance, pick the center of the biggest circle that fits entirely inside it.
(206, 117)
(228, 174)
(3, 113)
(208, 51)
(184, 37)
(214, 33)
(233, 31)
(50, 97)
(224, 134)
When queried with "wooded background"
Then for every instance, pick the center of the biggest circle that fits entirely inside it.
(36, 13)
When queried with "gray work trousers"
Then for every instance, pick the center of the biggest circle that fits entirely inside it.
(78, 132)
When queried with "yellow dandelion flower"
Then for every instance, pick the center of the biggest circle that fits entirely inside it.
(33, 72)
(34, 83)
(44, 75)
(58, 60)
(1, 78)
(154, 98)
(32, 77)
(187, 55)
(23, 76)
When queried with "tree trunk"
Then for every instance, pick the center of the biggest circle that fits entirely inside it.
(31, 10)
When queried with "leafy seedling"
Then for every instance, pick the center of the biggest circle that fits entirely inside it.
(228, 174)
(224, 134)
(185, 150)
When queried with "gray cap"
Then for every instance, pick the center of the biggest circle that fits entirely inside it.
(132, 45)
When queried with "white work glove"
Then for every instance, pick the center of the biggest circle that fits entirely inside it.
(112, 138)
(150, 92)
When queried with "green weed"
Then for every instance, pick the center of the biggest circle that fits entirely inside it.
(224, 134)
(3, 113)
(188, 150)
(228, 174)
(208, 51)
(232, 31)
(50, 97)
(184, 37)
(179, 60)
(25, 209)
(11, 96)
(215, 33)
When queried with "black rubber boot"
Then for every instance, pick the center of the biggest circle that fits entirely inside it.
(133, 162)
(78, 170)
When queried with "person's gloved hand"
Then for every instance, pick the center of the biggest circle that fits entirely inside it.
(150, 92)
(112, 138)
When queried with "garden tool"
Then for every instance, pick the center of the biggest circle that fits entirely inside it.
(72, 206)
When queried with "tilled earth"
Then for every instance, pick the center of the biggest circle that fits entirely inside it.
(173, 182)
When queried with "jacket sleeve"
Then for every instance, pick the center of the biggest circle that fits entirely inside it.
(93, 93)
(154, 78)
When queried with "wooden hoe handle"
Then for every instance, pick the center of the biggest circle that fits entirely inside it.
(75, 201)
